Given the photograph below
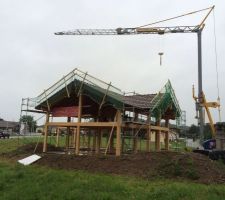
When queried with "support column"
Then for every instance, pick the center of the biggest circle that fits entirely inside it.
(57, 137)
(167, 135)
(89, 138)
(111, 143)
(77, 149)
(74, 137)
(68, 134)
(135, 139)
(148, 135)
(46, 133)
(98, 141)
(157, 137)
(118, 133)
(94, 141)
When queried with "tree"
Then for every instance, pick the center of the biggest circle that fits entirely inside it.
(207, 132)
(29, 121)
(193, 131)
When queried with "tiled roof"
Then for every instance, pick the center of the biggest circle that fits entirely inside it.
(141, 101)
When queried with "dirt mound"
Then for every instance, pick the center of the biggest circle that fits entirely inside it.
(171, 165)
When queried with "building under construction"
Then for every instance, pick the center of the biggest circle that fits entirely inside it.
(99, 112)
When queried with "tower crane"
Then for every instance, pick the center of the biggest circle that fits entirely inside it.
(161, 30)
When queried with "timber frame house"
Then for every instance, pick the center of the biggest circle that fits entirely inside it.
(99, 111)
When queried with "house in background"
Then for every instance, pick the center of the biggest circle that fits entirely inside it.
(9, 126)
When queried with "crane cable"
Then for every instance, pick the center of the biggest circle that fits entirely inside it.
(190, 13)
(217, 74)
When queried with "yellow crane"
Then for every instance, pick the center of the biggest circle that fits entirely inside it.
(152, 29)
(202, 101)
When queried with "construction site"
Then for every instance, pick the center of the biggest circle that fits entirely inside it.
(111, 121)
(83, 123)
(93, 109)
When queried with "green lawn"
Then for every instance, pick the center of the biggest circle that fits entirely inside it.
(34, 182)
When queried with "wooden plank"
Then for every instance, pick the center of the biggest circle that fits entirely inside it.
(145, 126)
(148, 135)
(68, 134)
(98, 141)
(110, 140)
(89, 139)
(167, 135)
(57, 137)
(157, 137)
(46, 133)
(118, 133)
(77, 149)
(82, 124)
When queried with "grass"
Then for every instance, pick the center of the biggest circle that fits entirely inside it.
(18, 182)
(33, 182)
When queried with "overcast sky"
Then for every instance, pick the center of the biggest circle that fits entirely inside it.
(32, 58)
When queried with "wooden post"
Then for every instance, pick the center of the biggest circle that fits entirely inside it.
(77, 149)
(157, 137)
(135, 139)
(68, 134)
(74, 137)
(94, 141)
(111, 142)
(118, 133)
(57, 137)
(98, 141)
(89, 138)
(167, 135)
(46, 133)
(148, 135)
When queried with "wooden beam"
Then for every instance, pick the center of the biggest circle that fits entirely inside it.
(157, 137)
(77, 149)
(106, 93)
(118, 133)
(110, 139)
(48, 105)
(57, 137)
(68, 134)
(167, 135)
(148, 135)
(106, 124)
(144, 126)
(74, 137)
(98, 141)
(89, 138)
(82, 124)
(67, 91)
(94, 141)
(135, 134)
(46, 133)
(81, 86)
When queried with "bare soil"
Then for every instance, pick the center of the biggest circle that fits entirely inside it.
(171, 165)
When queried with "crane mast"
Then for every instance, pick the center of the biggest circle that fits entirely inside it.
(145, 29)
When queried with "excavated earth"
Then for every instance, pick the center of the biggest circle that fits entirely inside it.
(154, 165)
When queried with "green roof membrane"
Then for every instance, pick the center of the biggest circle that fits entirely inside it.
(101, 92)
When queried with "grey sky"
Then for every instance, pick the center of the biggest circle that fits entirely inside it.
(32, 58)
